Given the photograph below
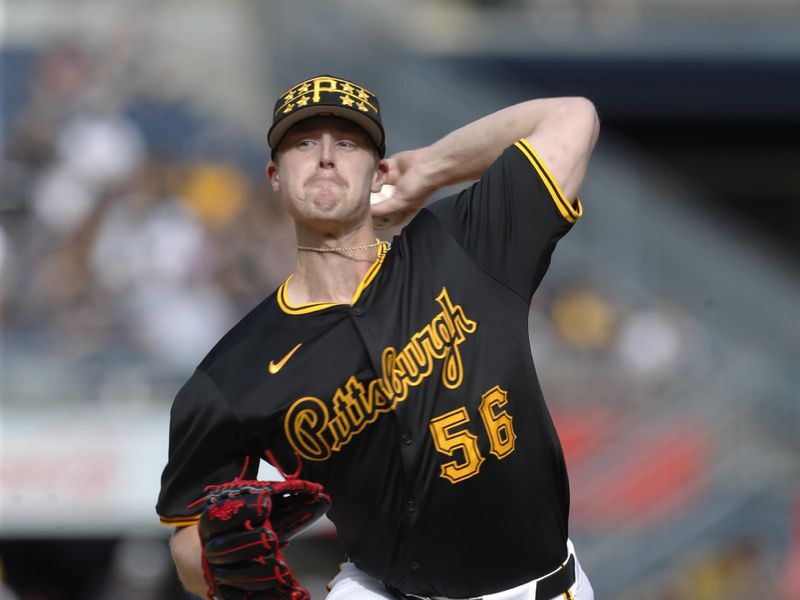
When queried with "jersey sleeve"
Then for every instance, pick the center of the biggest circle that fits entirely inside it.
(207, 446)
(511, 219)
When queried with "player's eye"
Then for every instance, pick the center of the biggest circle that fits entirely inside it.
(346, 144)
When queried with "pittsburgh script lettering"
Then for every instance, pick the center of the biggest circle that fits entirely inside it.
(316, 430)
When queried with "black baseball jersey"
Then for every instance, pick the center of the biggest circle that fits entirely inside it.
(417, 406)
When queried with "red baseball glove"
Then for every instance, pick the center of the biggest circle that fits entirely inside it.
(243, 529)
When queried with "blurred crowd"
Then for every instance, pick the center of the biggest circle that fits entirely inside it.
(128, 223)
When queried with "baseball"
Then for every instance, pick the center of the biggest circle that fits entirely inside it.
(386, 192)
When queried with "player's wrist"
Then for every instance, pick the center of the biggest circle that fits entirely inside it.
(427, 170)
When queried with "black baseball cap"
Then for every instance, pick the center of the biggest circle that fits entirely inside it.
(327, 96)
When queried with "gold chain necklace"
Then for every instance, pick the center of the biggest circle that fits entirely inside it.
(339, 248)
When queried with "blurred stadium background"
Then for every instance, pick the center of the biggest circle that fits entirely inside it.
(135, 227)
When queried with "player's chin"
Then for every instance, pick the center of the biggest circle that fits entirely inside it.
(326, 198)
(325, 208)
(334, 218)
(328, 206)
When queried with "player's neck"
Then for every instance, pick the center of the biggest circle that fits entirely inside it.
(330, 269)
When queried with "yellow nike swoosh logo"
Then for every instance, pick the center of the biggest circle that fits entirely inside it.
(274, 367)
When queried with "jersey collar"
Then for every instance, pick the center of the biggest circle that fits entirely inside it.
(304, 309)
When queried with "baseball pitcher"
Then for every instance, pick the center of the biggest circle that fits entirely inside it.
(391, 382)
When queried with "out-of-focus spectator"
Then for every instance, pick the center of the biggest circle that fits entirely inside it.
(61, 201)
(215, 193)
(584, 319)
(656, 341)
(739, 570)
(100, 149)
(56, 87)
(144, 239)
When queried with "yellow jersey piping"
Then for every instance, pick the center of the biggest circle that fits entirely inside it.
(283, 299)
(565, 207)
(383, 248)
(180, 521)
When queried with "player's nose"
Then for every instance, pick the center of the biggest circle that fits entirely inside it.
(326, 147)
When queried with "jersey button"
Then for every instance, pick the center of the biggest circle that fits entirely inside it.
(411, 507)
(358, 312)
(406, 439)
(414, 565)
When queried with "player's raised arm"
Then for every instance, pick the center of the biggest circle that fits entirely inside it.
(562, 130)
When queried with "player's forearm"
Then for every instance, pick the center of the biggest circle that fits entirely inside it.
(467, 152)
(186, 553)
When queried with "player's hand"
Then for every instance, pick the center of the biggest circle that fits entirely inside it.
(405, 191)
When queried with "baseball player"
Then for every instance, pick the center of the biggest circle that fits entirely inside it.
(391, 381)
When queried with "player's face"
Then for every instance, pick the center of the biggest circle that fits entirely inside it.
(324, 171)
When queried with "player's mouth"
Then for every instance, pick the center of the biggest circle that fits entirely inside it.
(326, 180)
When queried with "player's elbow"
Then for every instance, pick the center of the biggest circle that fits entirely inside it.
(581, 113)
(572, 120)
(187, 556)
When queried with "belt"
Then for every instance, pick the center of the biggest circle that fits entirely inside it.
(558, 582)
(551, 585)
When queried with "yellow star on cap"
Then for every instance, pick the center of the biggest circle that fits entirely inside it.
(303, 101)
(346, 100)
(303, 89)
(362, 107)
(289, 96)
(363, 95)
(288, 108)
(347, 88)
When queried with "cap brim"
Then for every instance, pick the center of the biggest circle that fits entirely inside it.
(279, 129)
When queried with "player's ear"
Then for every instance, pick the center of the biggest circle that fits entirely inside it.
(273, 176)
(379, 176)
